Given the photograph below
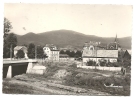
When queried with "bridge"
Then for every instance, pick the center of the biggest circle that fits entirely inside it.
(12, 68)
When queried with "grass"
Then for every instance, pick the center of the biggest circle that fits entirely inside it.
(9, 88)
(20, 88)
(86, 80)
(53, 67)
(89, 82)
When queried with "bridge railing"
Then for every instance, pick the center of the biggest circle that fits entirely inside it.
(6, 61)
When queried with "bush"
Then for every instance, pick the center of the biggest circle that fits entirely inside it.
(20, 54)
(91, 63)
(70, 79)
(103, 62)
(74, 65)
(48, 64)
(109, 81)
(51, 69)
(109, 64)
(87, 81)
(115, 64)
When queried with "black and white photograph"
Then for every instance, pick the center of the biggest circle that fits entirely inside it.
(67, 49)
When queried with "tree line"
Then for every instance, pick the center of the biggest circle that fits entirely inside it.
(10, 42)
(32, 52)
(76, 54)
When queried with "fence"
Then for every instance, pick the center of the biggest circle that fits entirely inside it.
(101, 68)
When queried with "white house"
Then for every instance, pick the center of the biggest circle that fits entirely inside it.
(21, 48)
(51, 52)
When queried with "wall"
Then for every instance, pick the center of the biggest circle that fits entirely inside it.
(47, 51)
(100, 53)
(55, 55)
(15, 52)
(63, 59)
(71, 59)
(101, 68)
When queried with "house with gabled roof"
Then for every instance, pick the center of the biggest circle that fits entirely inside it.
(52, 52)
(17, 48)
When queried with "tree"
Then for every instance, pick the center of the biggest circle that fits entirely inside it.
(7, 26)
(10, 41)
(31, 50)
(68, 52)
(72, 54)
(62, 52)
(120, 56)
(40, 52)
(78, 54)
(6, 51)
(20, 54)
(103, 62)
(126, 59)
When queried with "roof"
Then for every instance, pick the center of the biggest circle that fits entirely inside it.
(96, 44)
(113, 45)
(52, 47)
(20, 47)
(107, 53)
(110, 46)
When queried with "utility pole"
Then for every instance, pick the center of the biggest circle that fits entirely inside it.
(35, 52)
(96, 57)
(11, 52)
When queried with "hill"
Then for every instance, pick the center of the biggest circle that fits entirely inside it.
(63, 38)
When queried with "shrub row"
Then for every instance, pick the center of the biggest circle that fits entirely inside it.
(88, 81)
(106, 63)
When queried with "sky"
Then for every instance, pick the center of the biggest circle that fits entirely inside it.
(99, 20)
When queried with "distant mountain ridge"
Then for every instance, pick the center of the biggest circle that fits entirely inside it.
(63, 38)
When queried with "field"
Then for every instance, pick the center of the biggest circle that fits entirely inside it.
(65, 78)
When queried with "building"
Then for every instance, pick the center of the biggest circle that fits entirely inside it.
(99, 51)
(51, 52)
(17, 48)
